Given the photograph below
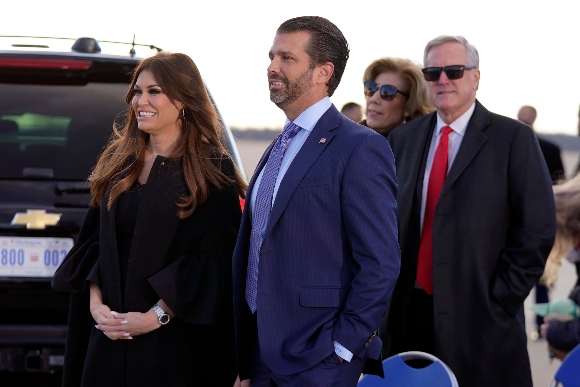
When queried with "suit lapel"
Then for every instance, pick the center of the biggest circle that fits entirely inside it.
(246, 222)
(413, 169)
(470, 146)
(259, 167)
(308, 154)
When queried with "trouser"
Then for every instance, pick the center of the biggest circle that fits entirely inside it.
(330, 372)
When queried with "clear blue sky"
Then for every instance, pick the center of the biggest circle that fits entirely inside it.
(528, 49)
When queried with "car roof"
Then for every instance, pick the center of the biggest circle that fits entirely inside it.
(78, 48)
(30, 59)
(71, 54)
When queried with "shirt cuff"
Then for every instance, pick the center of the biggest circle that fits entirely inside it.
(344, 353)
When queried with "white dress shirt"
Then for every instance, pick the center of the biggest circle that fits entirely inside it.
(455, 138)
(306, 120)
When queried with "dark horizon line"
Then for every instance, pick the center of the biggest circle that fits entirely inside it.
(255, 133)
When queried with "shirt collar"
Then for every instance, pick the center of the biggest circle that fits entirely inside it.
(459, 126)
(309, 117)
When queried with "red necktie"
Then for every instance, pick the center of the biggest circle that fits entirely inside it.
(436, 180)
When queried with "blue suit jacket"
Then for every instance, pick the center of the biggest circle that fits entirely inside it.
(330, 256)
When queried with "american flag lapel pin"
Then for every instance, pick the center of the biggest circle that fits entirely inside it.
(322, 140)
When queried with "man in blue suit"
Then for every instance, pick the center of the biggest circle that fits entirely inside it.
(317, 254)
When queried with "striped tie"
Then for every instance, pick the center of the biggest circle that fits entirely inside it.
(262, 208)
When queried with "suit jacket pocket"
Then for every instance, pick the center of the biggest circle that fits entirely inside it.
(315, 181)
(322, 296)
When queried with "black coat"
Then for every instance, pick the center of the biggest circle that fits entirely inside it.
(184, 262)
(553, 158)
(493, 228)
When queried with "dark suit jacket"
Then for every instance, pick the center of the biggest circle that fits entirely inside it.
(551, 153)
(494, 226)
(185, 262)
(329, 258)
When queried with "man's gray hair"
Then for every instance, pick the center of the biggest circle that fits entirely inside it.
(472, 54)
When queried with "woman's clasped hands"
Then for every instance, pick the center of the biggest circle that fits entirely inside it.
(123, 326)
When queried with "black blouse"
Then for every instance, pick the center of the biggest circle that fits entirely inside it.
(126, 220)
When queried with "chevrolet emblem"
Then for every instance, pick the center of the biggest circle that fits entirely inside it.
(35, 219)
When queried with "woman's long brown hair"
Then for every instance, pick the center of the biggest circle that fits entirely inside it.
(199, 146)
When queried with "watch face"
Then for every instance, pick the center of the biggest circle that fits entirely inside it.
(164, 319)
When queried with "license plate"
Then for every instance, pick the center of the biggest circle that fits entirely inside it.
(32, 257)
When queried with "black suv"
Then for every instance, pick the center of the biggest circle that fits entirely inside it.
(57, 108)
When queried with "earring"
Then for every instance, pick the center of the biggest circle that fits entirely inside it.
(183, 114)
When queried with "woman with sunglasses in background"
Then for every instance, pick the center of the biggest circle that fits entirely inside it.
(151, 272)
(395, 92)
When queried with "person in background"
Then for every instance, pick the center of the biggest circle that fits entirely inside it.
(476, 223)
(551, 152)
(395, 92)
(317, 254)
(579, 122)
(552, 155)
(578, 167)
(151, 271)
(353, 111)
(563, 336)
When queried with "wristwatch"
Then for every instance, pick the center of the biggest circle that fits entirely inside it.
(162, 317)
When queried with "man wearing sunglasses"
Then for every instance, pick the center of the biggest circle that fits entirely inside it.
(476, 223)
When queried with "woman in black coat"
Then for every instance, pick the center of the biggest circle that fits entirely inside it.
(151, 271)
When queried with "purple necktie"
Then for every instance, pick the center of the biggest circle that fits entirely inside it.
(262, 208)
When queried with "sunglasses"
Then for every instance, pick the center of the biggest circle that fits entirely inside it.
(453, 72)
(388, 92)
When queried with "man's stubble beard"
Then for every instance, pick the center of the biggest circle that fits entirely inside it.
(293, 90)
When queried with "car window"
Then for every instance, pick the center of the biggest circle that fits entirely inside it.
(56, 131)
